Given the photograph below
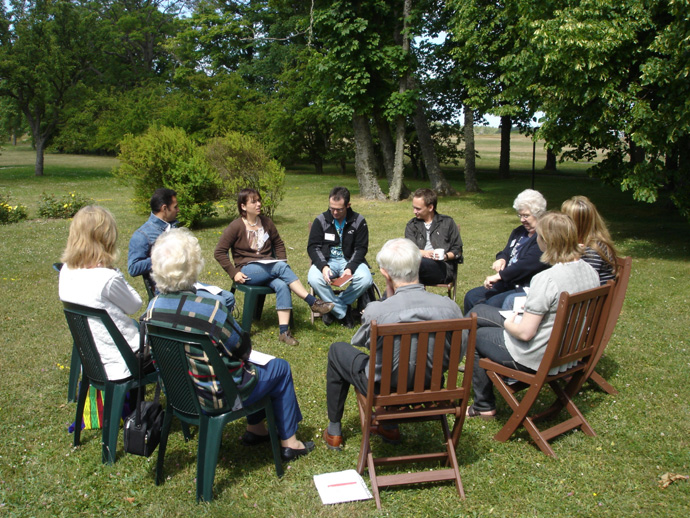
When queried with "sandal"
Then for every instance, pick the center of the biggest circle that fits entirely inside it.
(473, 412)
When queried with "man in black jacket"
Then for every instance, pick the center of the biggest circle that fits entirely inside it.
(338, 245)
(437, 237)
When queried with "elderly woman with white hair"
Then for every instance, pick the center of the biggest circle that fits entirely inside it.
(176, 263)
(518, 262)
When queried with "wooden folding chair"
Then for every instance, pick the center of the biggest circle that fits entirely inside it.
(624, 266)
(452, 286)
(575, 338)
(409, 395)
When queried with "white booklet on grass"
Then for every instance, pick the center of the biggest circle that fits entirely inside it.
(341, 486)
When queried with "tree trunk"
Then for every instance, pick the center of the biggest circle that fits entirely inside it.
(397, 190)
(436, 179)
(550, 161)
(40, 148)
(470, 154)
(318, 164)
(504, 163)
(343, 165)
(365, 160)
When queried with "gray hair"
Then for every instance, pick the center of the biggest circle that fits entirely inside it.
(531, 200)
(400, 258)
(176, 260)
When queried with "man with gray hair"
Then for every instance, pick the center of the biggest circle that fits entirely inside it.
(398, 262)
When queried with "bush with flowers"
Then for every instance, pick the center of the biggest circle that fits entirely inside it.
(51, 207)
(11, 213)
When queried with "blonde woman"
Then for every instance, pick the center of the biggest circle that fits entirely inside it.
(592, 233)
(89, 277)
(521, 345)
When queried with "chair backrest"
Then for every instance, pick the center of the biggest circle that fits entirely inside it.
(149, 285)
(577, 329)
(79, 320)
(623, 267)
(441, 383)
(172, 363)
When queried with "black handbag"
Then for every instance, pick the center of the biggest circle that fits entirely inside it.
(142, 430)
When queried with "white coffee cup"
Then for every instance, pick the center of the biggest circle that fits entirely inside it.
(439, 254)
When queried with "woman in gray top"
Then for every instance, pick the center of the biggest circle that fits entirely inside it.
(521, 343)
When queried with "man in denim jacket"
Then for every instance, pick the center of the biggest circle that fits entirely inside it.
(164, 211)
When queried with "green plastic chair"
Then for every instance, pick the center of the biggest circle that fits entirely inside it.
(114, 392)
(168, 349)
(254, 298)
(149, 285)
(75, 363)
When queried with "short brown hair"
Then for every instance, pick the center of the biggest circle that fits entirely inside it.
(559, 234)
(429, 197)
(92, 239)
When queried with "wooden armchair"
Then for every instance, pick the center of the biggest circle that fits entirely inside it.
(569, 355)
(403, 396)
(624, 265)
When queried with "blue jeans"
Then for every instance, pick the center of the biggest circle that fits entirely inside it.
(361, 280)
(275, 379)
(278, 276)
(490, 344)
(509, 301)
(480, 295)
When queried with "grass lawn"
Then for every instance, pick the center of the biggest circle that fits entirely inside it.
(642, 433)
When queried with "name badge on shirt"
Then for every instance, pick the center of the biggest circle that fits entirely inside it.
(329, 237)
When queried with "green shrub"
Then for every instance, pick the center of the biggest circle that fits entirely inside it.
(242, 162)
(167, 157)
(11, 213)
(51, 207)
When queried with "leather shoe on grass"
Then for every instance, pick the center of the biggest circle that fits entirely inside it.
(321, 307)
(288, 454)
(388, 436)
(472, 412)
(327, 319)
(252, 439)
(287, 338)
(334, 442)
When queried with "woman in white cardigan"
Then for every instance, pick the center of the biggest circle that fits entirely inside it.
(89, 277)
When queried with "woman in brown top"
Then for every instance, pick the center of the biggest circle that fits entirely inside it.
(259, 259)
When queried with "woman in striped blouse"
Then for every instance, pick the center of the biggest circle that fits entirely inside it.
(593, 235)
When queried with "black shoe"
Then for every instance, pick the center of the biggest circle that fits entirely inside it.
(347, 320)
(288, 454)
(251, 439)
(327, 319)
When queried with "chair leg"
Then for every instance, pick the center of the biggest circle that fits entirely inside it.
(452, 459)
(114, 401)
(79, 418)
(372, 477)
(167, 421)
(259, 306)
(597, 378)
(248, 311)
(275, 441)
(74, 371)
(210, 432)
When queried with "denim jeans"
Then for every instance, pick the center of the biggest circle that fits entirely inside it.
(275, 379)
(278, 276)
(509, 301)
(361, 280)
(480, 295)
(490, 344)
